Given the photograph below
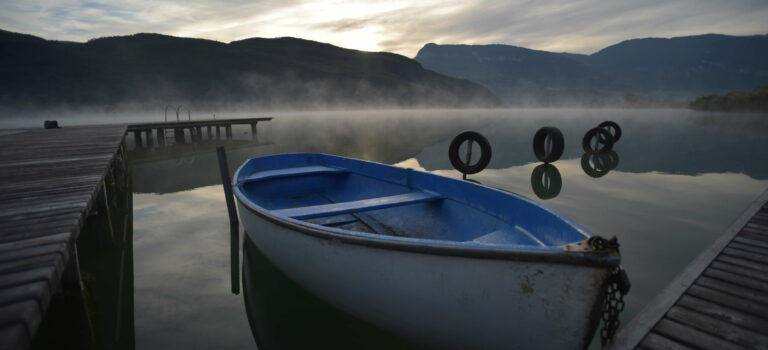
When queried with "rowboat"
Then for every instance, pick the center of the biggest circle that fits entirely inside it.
(442, 262)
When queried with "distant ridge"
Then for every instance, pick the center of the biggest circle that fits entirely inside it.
(284, 73)
(653, 68)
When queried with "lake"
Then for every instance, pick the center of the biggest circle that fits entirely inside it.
(675, 181)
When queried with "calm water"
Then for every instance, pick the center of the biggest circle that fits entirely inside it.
(676, 181)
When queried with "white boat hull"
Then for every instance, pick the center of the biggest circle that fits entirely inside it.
(440, 301)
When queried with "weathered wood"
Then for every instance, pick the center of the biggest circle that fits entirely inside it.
(722, 295)
(21, 244)
(693, 337)
(656, 341)
(733, 301)
(738, 253)
(54, 248)
(755, 226)
(48, 182)
(739, 270)
(747, 265)
(160, 137)
(725, 314)
(735, 289)
(196, 123)
(148, 135)
(15, 335)
(755, 231)
(750, 248)
(752, 242)
(39, 274)
(23, 313)
(717, 327)
(737, 279)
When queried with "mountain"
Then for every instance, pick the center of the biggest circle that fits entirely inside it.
(676, 68)
(153, 69)
(516, 74)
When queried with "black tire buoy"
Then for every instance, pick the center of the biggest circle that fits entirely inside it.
(467, 167)
(546, 181)
(603, 141)
(612, 128)
(548, 144)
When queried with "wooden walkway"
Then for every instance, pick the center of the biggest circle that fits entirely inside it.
(195, 128)
(49, 180)
(720, 301)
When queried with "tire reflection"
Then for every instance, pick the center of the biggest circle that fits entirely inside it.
(598, 164)
(546, 181)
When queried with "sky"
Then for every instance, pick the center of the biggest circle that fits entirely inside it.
(399, 26)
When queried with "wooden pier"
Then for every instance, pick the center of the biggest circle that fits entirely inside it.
(720, 301)
(49, 181)
(193, 127)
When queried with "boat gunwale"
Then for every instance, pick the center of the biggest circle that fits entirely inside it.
(590, 258)
(599, 259)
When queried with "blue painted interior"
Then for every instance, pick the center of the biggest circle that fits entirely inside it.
(315, 185)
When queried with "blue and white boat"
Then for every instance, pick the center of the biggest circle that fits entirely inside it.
(443, 262)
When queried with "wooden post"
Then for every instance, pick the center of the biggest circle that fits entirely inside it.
(224, 171)
(199, 132)
(218, 132)
(150, 143)
(234, 258)
(180, 135)
(253, 131)
(229, 132)
(234, 236)
(210, 134)
(137, 138)
(161, 137)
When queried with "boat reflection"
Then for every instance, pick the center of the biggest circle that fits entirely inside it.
(546, 181)
(598, 164)
(282, 315)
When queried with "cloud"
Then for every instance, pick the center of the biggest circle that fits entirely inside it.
(404, 26)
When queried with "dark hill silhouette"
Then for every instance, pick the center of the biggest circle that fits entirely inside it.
(152, 69)
(677, 68)
(516, 74)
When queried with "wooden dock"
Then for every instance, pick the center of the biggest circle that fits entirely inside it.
(720, 301)
(49, 181)
(193, 127)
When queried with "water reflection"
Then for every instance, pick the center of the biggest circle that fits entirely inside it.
(546, 181)
(105, 254)
(683, 199)
(598, 164)
(282, 315)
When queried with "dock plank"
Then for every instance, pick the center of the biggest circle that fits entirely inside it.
(656, 341)
(720, 301)
(48, 181)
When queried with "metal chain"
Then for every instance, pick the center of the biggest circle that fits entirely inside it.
(612, 307)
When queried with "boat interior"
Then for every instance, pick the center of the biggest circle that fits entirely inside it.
(339, 198)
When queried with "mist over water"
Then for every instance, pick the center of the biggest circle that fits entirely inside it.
(681, 178)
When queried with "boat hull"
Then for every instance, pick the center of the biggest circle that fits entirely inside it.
(435, 298)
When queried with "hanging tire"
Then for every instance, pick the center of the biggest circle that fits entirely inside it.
(612, 128)
(548, 144)
(546, 181)
(597, 140)
(467, 167)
